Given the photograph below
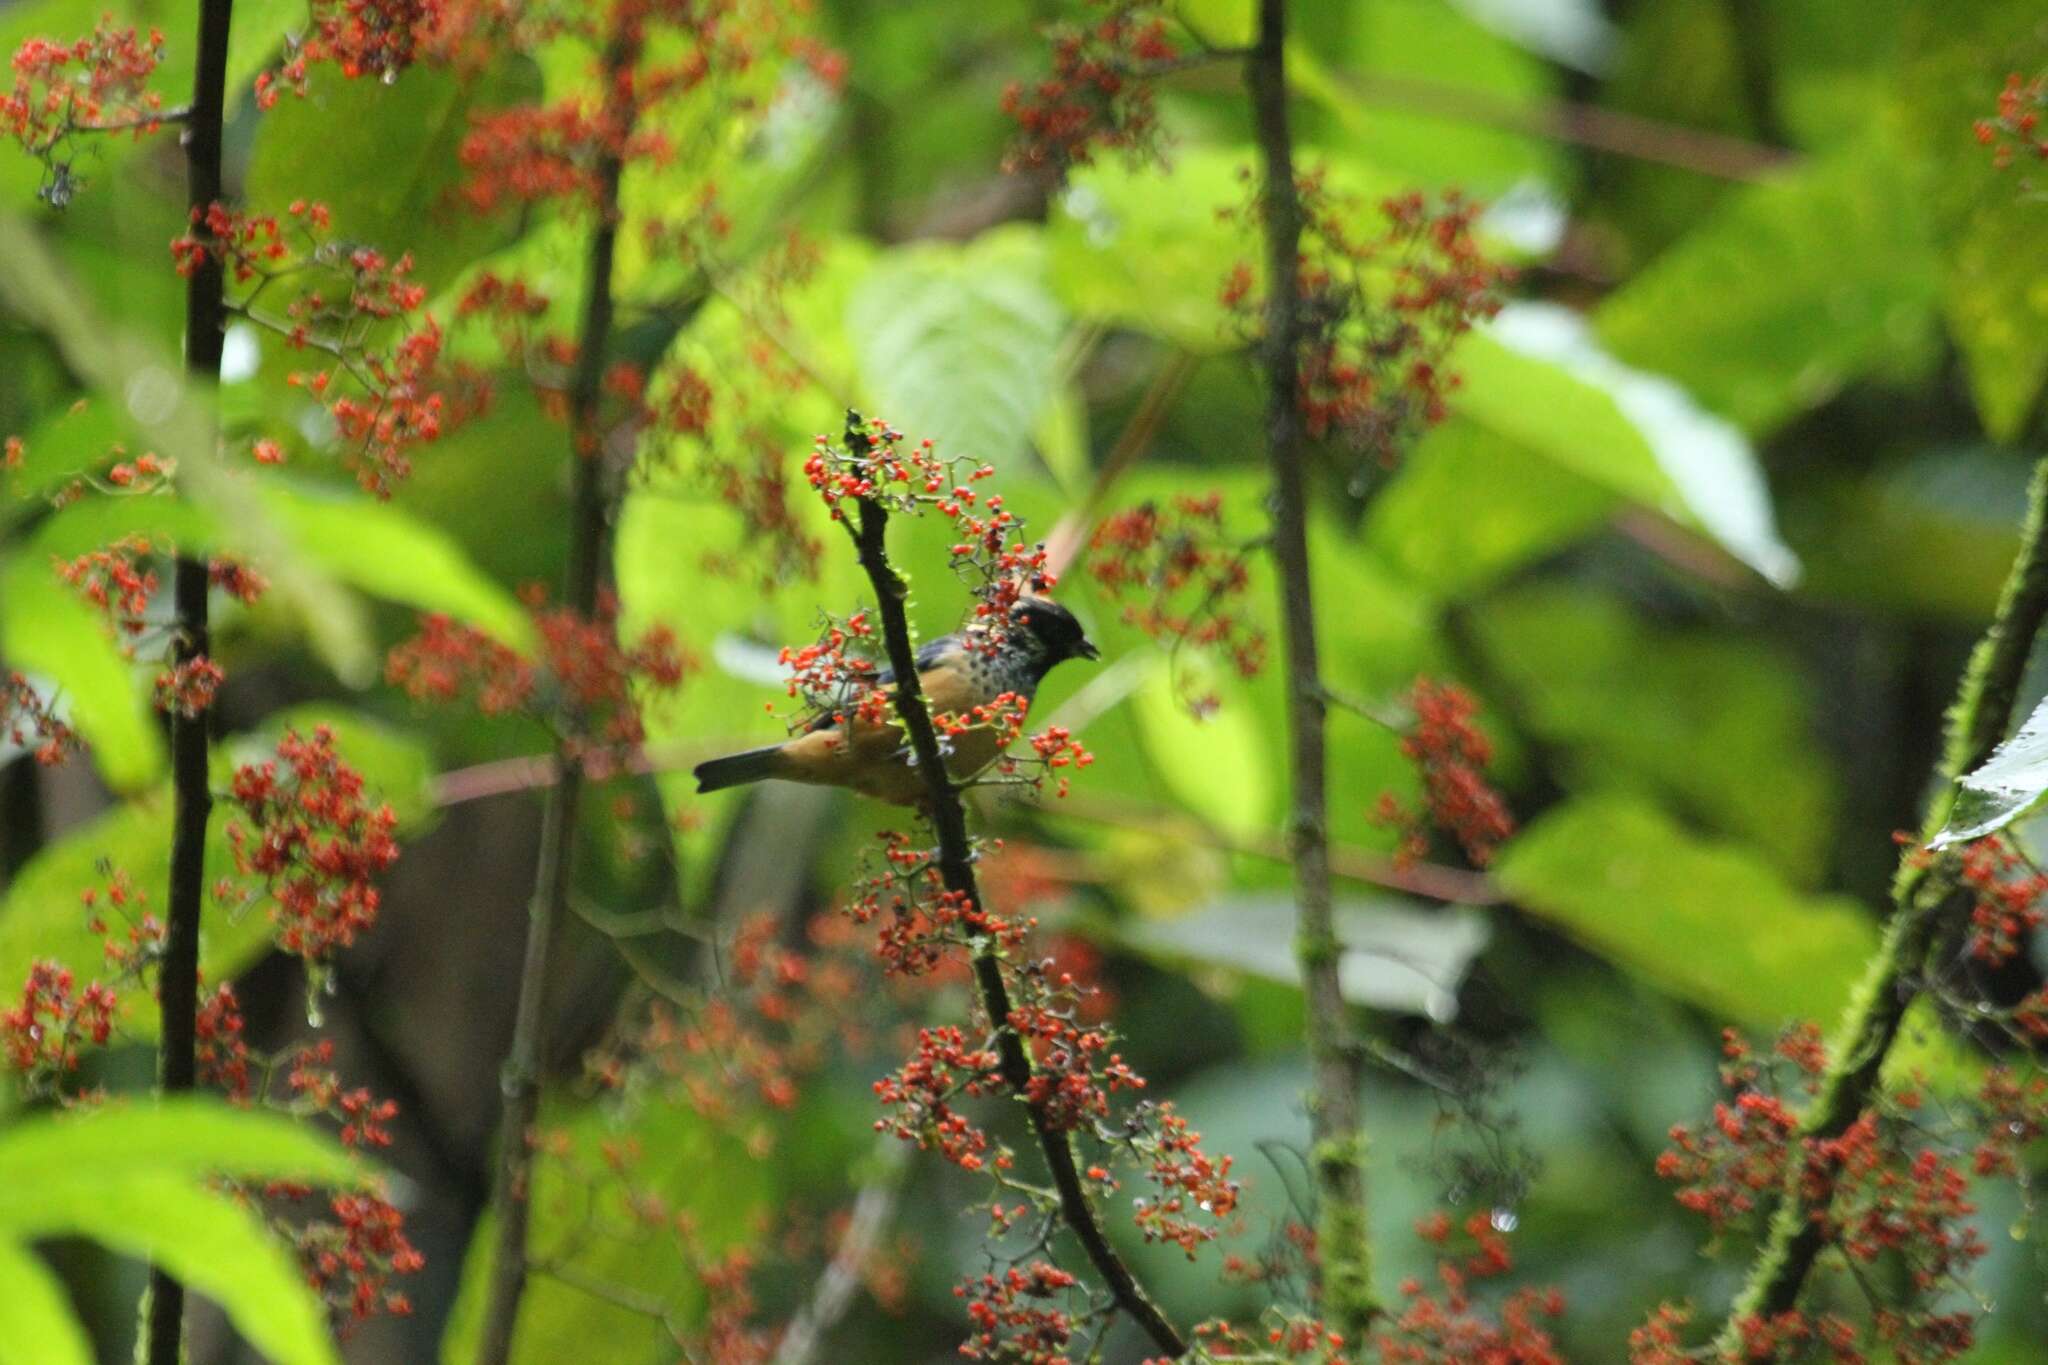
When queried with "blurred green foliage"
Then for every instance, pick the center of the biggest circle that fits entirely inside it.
(1718, 505)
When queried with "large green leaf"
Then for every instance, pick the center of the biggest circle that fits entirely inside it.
(52, 634)
(390, 553)
(131, 1177)
(958, 343)
(1717, 726)
(1129, 246)
(383, 158)
(37, 1326)
(1789, 290)
(207, 1240)
(585, 1219)
(1189, 751)
(1469, 507)
(1536, 377)
(1708, 922)
(187, 1137)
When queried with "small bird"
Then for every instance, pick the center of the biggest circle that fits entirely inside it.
(958, 672)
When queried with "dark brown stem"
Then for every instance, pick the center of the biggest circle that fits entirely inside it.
(1922, 903)
(555, 876)
(192, 797)
(956, 872)
(1343, 1288)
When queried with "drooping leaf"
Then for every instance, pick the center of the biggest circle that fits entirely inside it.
(208, 1241)
(2003, 787)
(1396, 956)
(37, 1324)
(390, 553)
(1718, 727)
(1700, 472)
(53, 635)
(958, 344)
(189, 1137)
(1708, 922)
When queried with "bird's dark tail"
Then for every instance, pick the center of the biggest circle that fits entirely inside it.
(736, 770)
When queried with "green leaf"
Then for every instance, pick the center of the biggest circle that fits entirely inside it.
(1708, 922)
(37, 1325)
(958, 343)
(1717, 726)
(389, 553)
(1467, 508)
(206, 1240)
(1190, 751)
(2003, 787)
(1789, 290)
(383, 158)
(583, 1218)
(1397, 956)
(188, 1137)
(52, 634)
(1133, 248)
(1639, 434)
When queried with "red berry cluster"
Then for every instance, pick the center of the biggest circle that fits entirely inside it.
(316, 1088)
(315, 841)
(97, 84)
(222, 1055)
(115, 581)
(362, 37)
(28, 721)
(1099, 94)
(41, 1036)
(590, 668)
(2010, 899)
(386, 398)
(1187, 577)
(1450, 753)
(1887, 1191)
(2015, 131)
(1373, 362)
(1016, 1314)
(352, 1255)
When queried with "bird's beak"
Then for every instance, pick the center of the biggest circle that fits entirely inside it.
(1086, 649)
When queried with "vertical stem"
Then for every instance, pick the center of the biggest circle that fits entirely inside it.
(582, 576)
(956, 872)
(1921, 900)
(1344, 1292)
(192, 800)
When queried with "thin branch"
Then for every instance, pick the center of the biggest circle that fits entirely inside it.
(956, 871)
(833, 1295)
(1343, 1272)
(1923, 902)
(192, 796)
(555, 875)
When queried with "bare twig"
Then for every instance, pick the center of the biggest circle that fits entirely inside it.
(555, 876)
(833, 1294)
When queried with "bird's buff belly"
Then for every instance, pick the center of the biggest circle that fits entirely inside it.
(876, 760)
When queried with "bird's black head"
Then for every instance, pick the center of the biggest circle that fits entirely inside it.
(1055, 629)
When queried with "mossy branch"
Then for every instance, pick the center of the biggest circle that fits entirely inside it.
(1337, 1158)
(1923, 901)
(956, 872)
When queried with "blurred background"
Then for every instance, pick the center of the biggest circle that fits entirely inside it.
(1726, 496)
